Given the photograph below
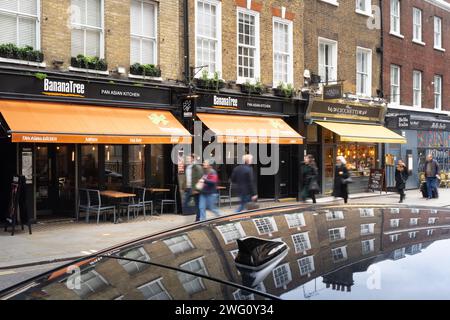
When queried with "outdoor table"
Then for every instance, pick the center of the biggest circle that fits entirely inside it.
(158, 189)
(112, 194)
(221, 188)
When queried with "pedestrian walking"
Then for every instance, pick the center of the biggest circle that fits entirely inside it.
(207, 187)
(341, 179)
(431, 169)
(310, 175)
(242, 177)
(194, 173)
(401, 175)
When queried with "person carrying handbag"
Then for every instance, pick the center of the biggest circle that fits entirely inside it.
(341, 179)
(207, 187)
(310, 175)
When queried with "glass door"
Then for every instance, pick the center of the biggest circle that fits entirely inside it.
(43, 180)
(329, 155)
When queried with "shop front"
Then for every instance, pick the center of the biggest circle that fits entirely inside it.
(63, 141)
(350, 129)
(262, 126)
(426, 134)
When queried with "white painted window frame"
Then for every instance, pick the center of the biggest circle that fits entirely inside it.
(395, 99)
(368, 53)
(335, 47)
(142, 37)
(238, 227)
(396, 17)
(417, 26)
(297, 222)
(438, 33)
(290, 53)
(307, 240)
(272, 224)
(311, 264)
(371, 246)
(437, 92)
(159, 282)
(286, 268)
(417, 89)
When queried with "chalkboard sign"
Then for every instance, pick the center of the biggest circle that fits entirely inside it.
(376, 180)
(17, 205)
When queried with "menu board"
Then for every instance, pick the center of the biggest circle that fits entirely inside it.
(376, 180)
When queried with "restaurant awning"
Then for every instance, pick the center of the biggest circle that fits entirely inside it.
(350, 132)
(44, 122)
(247, 129)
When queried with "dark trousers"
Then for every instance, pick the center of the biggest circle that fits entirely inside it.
(401, 191)
(187, 198)
(431, 185)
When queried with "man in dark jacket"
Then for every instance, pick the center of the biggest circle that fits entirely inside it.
(432, 171)
(242, 177)
(401, 175)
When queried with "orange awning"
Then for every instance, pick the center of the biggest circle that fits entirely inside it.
(246, 129)
(44, 122)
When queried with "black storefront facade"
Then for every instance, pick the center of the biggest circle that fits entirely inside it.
(426, 133)
(219, 111)
(57, 164)
(348, 128)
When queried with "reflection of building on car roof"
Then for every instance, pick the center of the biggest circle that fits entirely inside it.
(310, 253)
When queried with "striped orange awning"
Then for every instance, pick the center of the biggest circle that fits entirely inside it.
(45, 122)
(246, 129)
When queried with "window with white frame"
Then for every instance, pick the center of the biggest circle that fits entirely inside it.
(364, 72)
(413, 221)
(265, 225)
(417, 88)
(334, 215)
(327, 60)
(282, 275)
(368, 246)
(395, 84)
(191, 283)
(179, 244)
(339, 254)
(154, 290)
(208, 34)
(240, 295)
(438, 32)
(20, 23)
(301, 242)
(395, 16)
(231, 232)
(364, 6)
(87, 28)
(368, 228)
(394, 237)
(417, 25)
(366, 212)
(432, 220)
(282, 51)
(395, 223)
(437, 92)
(399, 253)
(295, 220)
(143, 19)
(248, 45)
(306, 265)
(336, 234)
(430, 232)
(133, 267)
(415, 248)
(413, 234)
(90, 281)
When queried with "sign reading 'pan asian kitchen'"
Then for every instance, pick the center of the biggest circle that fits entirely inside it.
(240, 103)
(55, 87)
(319, 109)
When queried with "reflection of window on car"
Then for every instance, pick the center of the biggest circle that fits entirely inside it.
(394, 237)
(282, 275)
(231, 232)
(240, 295)
(395, 223)
(368, 228)
(368, 246)
(306, 265)
(301, 242)
(179, 244)
(90, 282)
(191, 283)
(295, 220)
(336, 234)
(366, 212)
(155, 290)
(334, 215)
(413, 234)
(133, 267)
(339, 254)
(265, 225)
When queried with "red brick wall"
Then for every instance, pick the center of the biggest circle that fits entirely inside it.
(411, 56)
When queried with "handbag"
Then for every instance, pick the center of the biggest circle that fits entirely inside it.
(347, 181)
(200, 185)
(314, 186)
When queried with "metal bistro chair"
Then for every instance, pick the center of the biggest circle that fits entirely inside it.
(83, 202)
(444, 179)
(95, 205)
(225, 197)
(171, 201)
(139, 203)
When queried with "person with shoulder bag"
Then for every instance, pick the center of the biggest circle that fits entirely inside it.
(207, 187)
(194, 173)
(341, 179)
(310, 174)
(242, 178)
(401, 176)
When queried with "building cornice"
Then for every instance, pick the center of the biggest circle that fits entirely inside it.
(440, 4)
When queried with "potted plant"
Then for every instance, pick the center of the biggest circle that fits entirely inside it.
(203, 81)
(284, 90)
(27, 53)
(148, 70)
(89, 62)
(250, 88)
(209, 83)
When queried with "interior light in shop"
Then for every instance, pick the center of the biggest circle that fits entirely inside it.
(73, 156)
(140, 155)
(107, 155)
(93, 148)
(39, 148)
(107, 147)
(57, 148)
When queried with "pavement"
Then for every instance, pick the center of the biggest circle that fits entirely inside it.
(51, 244)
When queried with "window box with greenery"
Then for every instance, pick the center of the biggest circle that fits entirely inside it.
(209, 83)
(87, 62)
(284, 90)
(27, 53)
(250, 88)
(145, 70)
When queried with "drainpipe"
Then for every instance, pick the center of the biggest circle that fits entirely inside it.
(382, 50)
(186, 42)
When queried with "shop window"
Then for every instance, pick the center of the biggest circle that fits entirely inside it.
(113, 167)
(89, 166)
(360, 158)
(312, 135)
(157, 164)
(136, 166)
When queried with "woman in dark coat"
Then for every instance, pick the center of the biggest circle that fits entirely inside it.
(341, 174)
(309, 176)
(401, 175)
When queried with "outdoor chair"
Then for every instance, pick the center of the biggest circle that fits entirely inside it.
(139, 203)
(173, 201)
(83, 202)
(226, 197)
(95, 205)
(444, 179)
